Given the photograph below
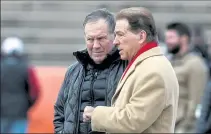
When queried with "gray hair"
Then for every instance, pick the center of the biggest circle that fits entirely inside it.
(139, 18)
(101, 14)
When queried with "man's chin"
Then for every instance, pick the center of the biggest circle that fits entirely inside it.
(98, 60)
(123, 57)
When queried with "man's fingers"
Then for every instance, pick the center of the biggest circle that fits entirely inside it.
(86, 120)
(87, 113)
(86, 117)
(86, 109)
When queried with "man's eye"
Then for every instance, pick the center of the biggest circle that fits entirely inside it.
(119, 35)
(100, 38)
(89, 39)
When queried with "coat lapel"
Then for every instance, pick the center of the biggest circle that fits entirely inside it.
(152, 52)
(121, 83)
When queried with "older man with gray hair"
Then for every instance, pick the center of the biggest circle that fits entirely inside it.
(92, 80)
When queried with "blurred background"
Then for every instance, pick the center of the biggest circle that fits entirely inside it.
(52, 30)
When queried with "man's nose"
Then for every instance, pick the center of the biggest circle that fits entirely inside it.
(115, 42)
(96, 44)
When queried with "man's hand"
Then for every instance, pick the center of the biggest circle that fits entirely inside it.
(88, 110)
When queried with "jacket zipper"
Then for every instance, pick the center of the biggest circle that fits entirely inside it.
(92, 86)
(108, 86)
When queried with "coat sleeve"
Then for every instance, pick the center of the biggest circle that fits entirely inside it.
(60, 103)
(197, 81)
(34, 84)
(145, 106)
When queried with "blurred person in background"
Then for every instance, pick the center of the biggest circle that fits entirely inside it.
(161, 42)
(93, 79)
(203, 124)
(192, 74)
(19, 87)
(200, 46)
(209, 53)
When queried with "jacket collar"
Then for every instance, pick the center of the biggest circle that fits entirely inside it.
(156, 51)
(143, 49)
(84, 58)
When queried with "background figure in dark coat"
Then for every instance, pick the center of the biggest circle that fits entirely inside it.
(204, 121)
(19, 87)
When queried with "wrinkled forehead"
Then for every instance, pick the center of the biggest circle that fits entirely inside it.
(96, 28)
(122, 25)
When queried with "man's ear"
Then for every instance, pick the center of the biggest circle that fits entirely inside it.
(184, 39)
(142, 36)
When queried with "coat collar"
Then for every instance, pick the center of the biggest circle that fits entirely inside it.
(84, 58)
(156, 51)
(143, 49)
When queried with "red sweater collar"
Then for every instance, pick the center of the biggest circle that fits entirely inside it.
(143, 49)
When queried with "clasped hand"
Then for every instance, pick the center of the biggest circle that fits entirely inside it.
(88, 110)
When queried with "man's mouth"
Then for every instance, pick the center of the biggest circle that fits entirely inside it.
(97, 52)
(119, 49)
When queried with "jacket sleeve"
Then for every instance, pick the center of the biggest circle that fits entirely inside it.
(197, 81)
(145, 106)
(60, 103)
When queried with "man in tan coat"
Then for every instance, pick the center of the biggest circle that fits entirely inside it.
(147, 94)
(191, 71)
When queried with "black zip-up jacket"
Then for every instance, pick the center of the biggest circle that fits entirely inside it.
(86, 84)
